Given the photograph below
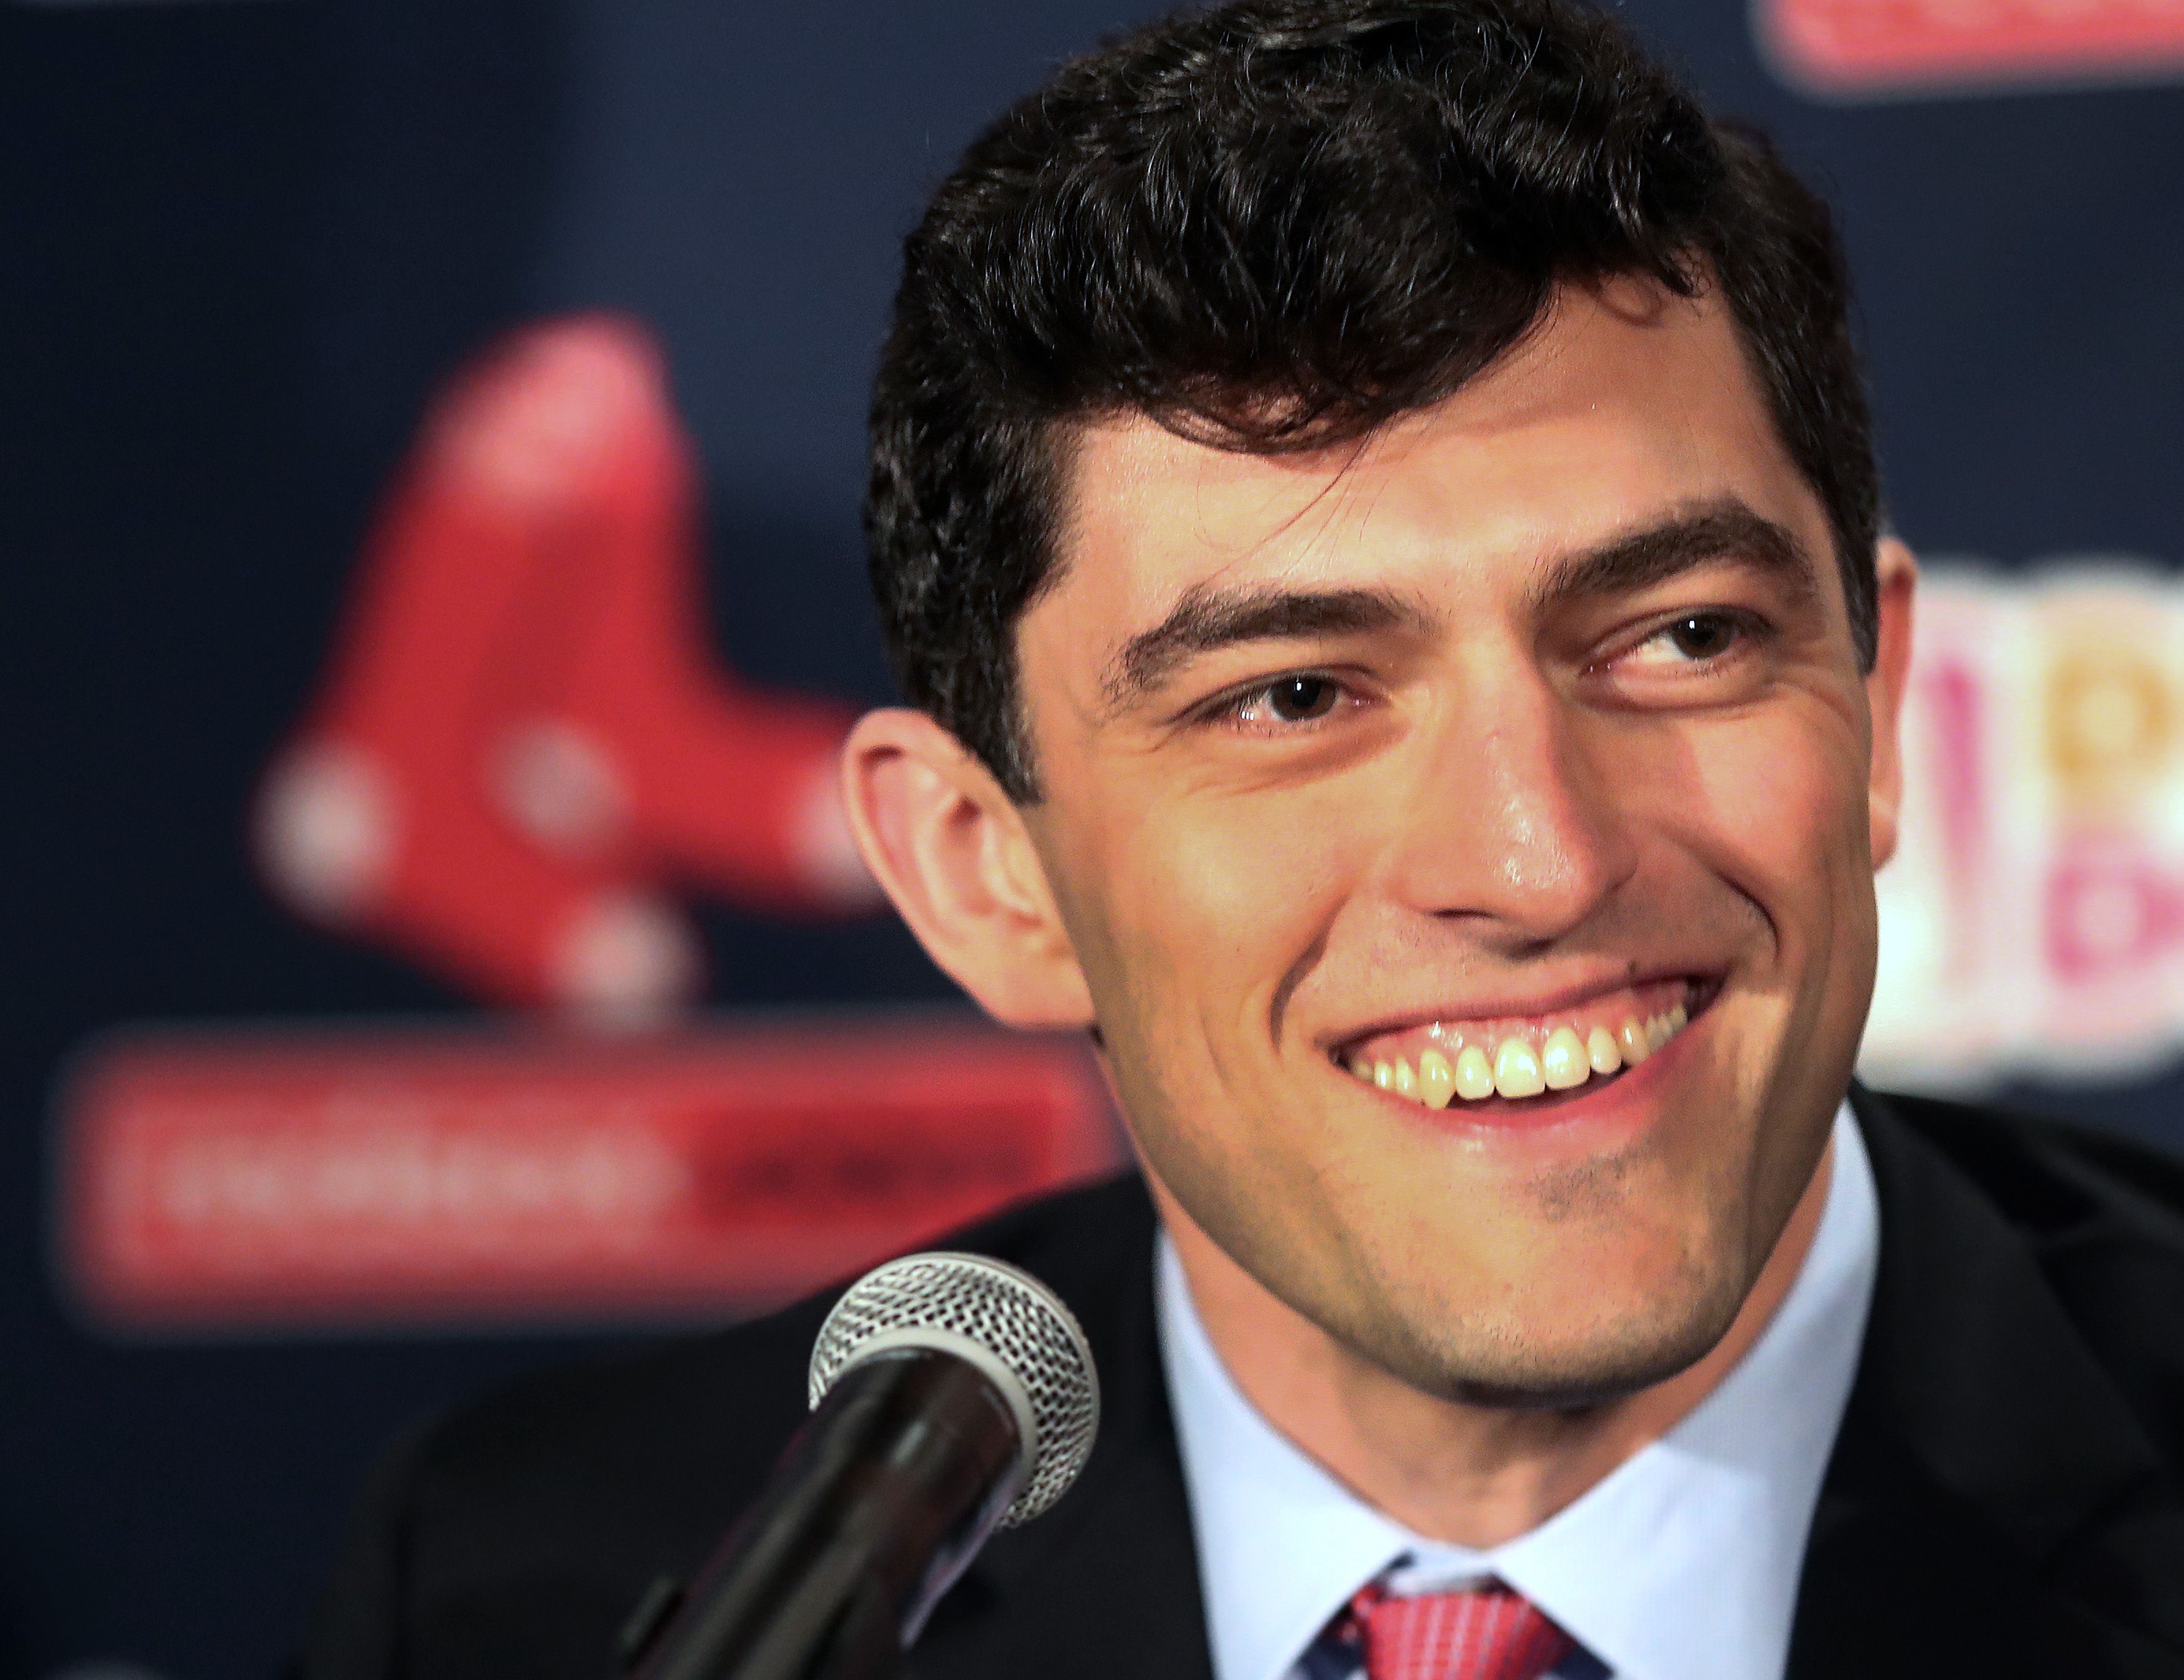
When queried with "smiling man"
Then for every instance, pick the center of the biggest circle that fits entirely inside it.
(1373, 508)
(1462, 837)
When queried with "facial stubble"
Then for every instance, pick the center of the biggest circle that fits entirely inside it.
(1360, 1287)
(1497, 1356)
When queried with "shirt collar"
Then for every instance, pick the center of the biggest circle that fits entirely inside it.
(1682, 1563)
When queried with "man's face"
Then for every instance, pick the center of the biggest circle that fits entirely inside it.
(1530, 723)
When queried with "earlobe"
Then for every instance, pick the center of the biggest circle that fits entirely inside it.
(953, 854)
(1897, 578)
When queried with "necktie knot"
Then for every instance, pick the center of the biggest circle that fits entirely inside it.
(1487, 1632)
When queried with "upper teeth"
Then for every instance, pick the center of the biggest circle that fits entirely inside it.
(1562, 1060)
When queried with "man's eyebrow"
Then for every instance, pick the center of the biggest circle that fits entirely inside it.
(1719, 529)
(1210, 617)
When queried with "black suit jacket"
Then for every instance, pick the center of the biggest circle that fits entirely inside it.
(2003, 1499)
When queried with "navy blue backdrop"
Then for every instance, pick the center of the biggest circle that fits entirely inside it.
(240, 242)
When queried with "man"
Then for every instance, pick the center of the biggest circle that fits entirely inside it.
(1374, 506)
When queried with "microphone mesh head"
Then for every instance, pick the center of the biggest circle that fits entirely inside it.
(1014, 1317)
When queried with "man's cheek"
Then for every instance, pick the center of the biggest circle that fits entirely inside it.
(1776, 811)
(1235, 875)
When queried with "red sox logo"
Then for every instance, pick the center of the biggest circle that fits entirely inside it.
(524, 748)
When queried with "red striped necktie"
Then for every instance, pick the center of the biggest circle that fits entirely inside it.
(1487, 1632)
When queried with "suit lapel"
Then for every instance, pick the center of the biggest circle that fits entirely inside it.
(1106, 1584)
(1992, 1507)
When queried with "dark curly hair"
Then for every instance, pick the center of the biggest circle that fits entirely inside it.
(1278, 224)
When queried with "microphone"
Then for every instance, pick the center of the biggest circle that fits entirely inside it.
(950, 1395)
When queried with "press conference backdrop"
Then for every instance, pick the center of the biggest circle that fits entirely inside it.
(434, 594)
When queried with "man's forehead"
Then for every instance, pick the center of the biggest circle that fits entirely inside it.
(1604, 417)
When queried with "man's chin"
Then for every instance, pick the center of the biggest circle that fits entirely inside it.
(1535, 1369)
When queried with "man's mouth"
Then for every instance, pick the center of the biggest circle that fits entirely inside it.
(1440, 1063)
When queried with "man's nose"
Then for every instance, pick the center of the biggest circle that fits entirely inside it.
(1517, 822)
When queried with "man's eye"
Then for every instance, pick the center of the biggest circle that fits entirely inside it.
(1694, 637)
(1290, 700)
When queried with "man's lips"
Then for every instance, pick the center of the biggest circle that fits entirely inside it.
(1589, 1039)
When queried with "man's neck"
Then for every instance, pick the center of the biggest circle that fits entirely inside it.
(1473, 1475)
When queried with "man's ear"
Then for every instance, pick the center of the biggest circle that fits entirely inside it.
(952, 852)
(1897, 575)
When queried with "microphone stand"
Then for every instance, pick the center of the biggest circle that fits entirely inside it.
(882, 1498)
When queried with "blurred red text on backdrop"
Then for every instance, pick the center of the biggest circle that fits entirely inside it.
(233, 1180)
(1850, 49)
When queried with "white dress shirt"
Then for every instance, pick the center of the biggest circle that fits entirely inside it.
(1682, 1563)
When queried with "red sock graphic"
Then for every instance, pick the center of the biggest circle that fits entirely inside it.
(525, 743)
